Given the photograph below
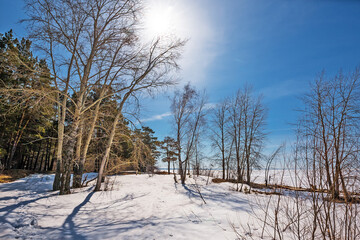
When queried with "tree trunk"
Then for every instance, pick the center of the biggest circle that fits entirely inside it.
(181, 172)
(179, 155)
(188, 167)
(51, 166)
(60, 141)
(29, 165)
(227, 169)
(48, 151)
(69, 146)
(79, 171)
(16, 140)
(107, 151)
(37, 157)
(41, 160)
(23, 160)
(68, 154)
(223, 164)
(20, 164)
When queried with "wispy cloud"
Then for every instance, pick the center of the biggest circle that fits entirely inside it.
(156, 117)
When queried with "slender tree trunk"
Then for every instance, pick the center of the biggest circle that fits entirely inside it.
(69, 146)
(17, 139)
(53, 157)
(37, 156)
(248, 164)
(188, 166)
(227, 169)
(21, 162)
(42, 160)
(107, 151)
(179, 155)
(25, 163)
(223, 165)
(60, 141)
(181, 172)
(78, 170)
(183, 177)
(47, 157)
(48, 143)
(61, 125)
(68, 154)
(238, 170)
(28, 166)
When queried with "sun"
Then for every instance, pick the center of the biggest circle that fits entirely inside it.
(160, 19)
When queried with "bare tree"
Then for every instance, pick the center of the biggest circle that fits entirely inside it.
(325, 160)
(330, 124)
(247, 116)
(236, 131)
(197, 156)
(94, 45)
(78, 37)
(254, 132)
(150, 70)
(188, 111)
(268, 161)
(219, 133)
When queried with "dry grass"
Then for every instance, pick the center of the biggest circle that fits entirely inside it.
(353, 199)
(13, 174)
(161, 173)
(220, 180)
(269, 186)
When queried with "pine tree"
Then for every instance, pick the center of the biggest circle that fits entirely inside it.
(26, 116)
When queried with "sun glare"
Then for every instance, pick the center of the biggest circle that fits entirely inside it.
(160, 19)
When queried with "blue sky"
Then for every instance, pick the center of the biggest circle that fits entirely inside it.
(276, 46)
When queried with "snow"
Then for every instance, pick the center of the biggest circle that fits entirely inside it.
(276, 176)
(136, 207)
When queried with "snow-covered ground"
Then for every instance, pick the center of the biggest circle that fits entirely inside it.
(138, 207)
(276, 176)
(142, 207)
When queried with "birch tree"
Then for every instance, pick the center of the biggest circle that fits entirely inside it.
(94, 45)
(150, 70)
(189, 115)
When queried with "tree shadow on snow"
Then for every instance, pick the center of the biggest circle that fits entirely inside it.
(190, 192)
(69, 225)
(231, 200)
(11, 208)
